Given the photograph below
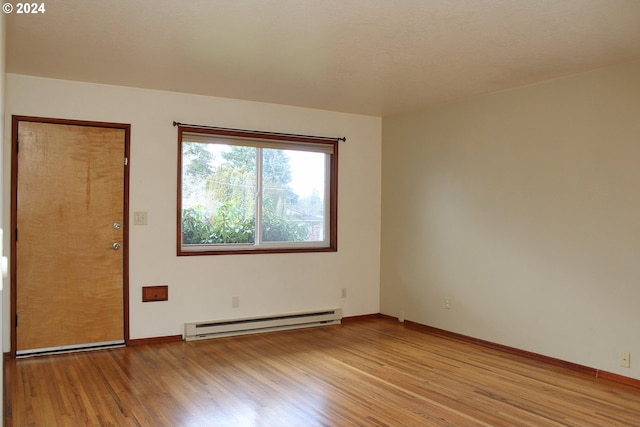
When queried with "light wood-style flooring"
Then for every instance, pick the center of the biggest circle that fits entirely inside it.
(370, 372)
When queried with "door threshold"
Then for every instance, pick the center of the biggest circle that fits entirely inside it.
(69, 349)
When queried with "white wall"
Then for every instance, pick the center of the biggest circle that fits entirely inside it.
(523, 207)
(201, 287)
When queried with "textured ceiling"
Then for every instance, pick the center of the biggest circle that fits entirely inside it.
(377, 57)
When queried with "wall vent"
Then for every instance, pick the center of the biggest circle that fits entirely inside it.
(254, 325)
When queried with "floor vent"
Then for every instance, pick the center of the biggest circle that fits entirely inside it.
(254, 325)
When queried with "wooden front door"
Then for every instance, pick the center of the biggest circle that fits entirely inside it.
(70, 235)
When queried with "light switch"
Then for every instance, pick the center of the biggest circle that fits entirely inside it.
(139, 218)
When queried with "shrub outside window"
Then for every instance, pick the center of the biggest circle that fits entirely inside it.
(255, 192)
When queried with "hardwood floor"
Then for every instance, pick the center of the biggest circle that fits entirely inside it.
(372, 372)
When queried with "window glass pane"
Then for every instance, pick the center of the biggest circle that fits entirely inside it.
(255, 193)
(218, 193)
(293, 196)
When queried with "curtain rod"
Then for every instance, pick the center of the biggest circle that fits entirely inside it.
(259, 132)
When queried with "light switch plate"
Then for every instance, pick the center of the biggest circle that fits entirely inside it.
(139, 218)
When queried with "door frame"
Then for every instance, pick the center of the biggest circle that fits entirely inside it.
(14, 211)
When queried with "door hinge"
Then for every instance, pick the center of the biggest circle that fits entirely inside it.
(16, 234)
(126, 161)
(17, 144)
(16, 320)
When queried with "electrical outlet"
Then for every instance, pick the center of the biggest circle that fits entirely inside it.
(447, 303)
(401, 317)
(235, 302)
(625, 359)
(344, 292)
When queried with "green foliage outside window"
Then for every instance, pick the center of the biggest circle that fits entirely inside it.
(232, 183)
(226, 227)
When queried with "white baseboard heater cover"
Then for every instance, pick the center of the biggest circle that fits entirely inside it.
(254, 325)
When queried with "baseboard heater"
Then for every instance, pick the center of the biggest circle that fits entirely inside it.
(254, 325)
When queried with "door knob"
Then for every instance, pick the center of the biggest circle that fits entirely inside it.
(116, 246)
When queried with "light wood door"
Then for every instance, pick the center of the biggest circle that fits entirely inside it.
(69, 216)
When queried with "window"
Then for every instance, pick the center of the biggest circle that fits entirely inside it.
(255, 192)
